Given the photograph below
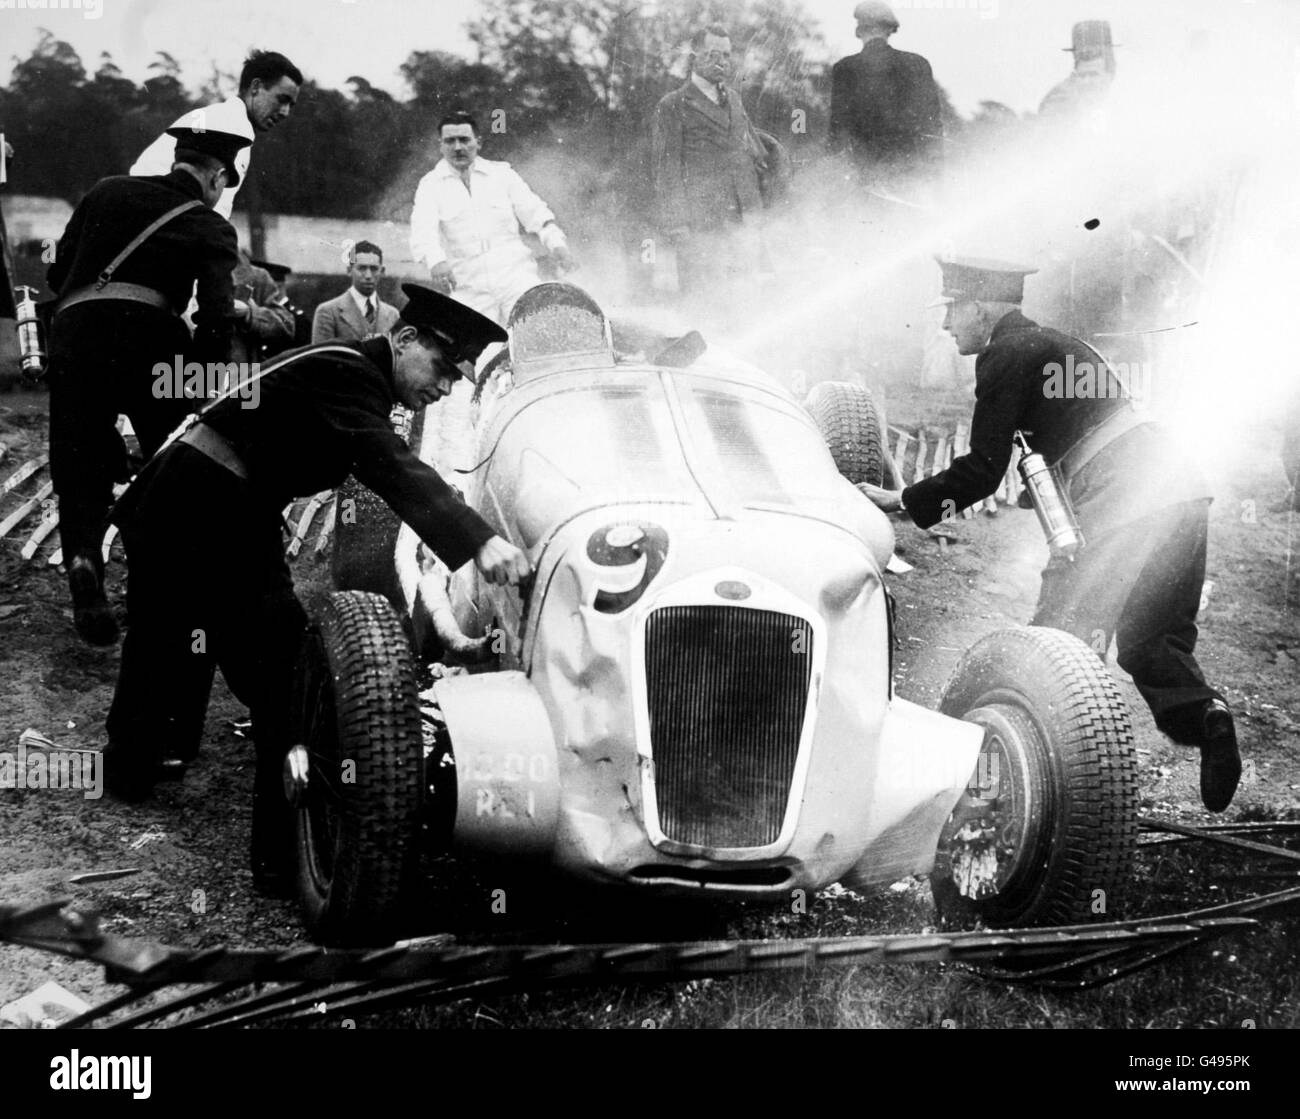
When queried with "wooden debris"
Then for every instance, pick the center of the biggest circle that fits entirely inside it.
(304, 522)
(26, 507)
(19, 476)
(47, 525)
(327, 528)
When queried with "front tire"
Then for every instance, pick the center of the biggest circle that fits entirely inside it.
(1047, 830)
(846, 416)
(359, 814)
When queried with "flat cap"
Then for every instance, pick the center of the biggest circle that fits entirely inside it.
(982, 280)
(875, 13)
(461, 329)
(278, 272)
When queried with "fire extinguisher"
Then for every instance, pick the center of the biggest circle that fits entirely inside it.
(1050, 502)
(31, 335)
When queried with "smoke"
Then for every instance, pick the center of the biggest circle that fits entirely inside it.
(1161, 202)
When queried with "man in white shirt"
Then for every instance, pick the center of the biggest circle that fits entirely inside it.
(358, 313)
(268, 91)
(466, 221)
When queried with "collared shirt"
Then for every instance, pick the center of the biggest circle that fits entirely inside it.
(361, 301)
(709, 89)
(452, 223)
(226, 116)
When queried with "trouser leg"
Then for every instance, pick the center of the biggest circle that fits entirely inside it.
(1157, 630)
(258, 655)
(86, 451)
(1085, 596)
(161, 699)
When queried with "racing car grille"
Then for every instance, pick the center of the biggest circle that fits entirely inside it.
(727, 690)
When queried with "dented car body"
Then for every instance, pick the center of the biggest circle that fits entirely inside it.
(696, 693)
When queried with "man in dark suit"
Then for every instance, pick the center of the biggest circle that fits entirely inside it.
(358, 313)
(107, 337)
(705, 163)
(885, 107)
(207, 579)
(1141, 504)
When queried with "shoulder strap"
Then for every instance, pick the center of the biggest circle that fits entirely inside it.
(140, 238)
(194, 417)
(271, 367)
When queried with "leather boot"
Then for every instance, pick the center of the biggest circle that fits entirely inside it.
(1220, 759)
(91, 613)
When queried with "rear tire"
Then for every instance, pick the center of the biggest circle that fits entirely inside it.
(1046, 832)
(847, 418)
(359, 820)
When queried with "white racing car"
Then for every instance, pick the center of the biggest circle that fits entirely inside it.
(694, 695)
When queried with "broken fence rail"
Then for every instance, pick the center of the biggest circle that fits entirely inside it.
(329, 983)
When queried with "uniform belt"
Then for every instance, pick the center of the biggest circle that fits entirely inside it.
(1120, 422)
(136, 293)
(217, 447)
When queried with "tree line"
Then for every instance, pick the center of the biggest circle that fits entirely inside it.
(576, 77)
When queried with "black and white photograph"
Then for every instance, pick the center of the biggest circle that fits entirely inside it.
(651, 514)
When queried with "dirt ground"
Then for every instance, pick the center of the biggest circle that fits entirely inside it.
(187, 847)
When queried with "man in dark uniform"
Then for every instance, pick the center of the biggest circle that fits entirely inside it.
(107, 337)
(207, 582)
(265, 323)
(885, 108)
(280, 273)
(1140, 501)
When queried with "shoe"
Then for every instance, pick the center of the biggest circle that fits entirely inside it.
(1220, 759)
(91, 614)
(273, 846)
(127, 778)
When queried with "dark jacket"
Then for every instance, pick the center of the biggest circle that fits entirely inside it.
(199, 246)
(322, 415)
(885, 108)
(270, 326)
(1018, 388)
(704, 155)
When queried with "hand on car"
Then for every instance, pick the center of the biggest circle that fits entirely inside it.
(501, 562)
(887, 501)
(441, 277)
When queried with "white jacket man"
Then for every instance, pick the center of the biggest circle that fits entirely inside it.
(466, 221)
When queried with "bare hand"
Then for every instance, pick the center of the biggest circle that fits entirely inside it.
(887, 501)
(564, 259)
(442, 278)
(501, 562)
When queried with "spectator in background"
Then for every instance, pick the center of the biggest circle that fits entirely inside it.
(466, 225)
(706, 162)
(885, 106)
(264, 324)
(358, 313)
(1094, 71)
(268, 91)
(280, 273)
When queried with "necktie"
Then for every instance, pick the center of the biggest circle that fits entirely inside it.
(370, 311)
(722, 95)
